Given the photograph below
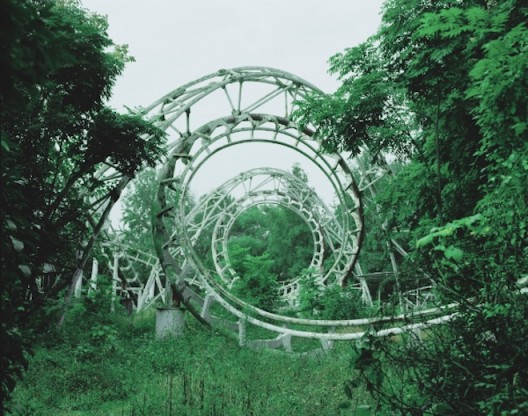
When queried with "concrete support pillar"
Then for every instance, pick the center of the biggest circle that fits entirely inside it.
(78, 287)
(286, 342)
(93, 277)
(115, 278)
(209, 300)
(328, 344)
(169, 322)
(242, 332)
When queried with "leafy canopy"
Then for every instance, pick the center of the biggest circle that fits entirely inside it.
(58, 68)
(441, 86)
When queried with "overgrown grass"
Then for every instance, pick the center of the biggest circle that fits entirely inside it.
(104, 364)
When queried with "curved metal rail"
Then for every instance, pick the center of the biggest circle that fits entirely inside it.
(254, 105)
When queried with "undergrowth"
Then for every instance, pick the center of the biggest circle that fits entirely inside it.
(103, 363)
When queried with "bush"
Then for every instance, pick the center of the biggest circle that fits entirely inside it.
(330, 302)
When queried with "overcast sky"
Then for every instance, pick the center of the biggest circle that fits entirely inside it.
(177, 41)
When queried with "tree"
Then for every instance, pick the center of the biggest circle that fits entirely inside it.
(441, 86)
(137, 211)
(329, 302)
(56, 135)
(290, 242)
(249, 257)
(269, 244)
(257, 284)
(278, 233)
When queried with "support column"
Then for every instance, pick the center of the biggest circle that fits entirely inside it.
(78, 284)
(93, 277)
(169, 323)
(115, 278)
(242, 332)
(78, 287)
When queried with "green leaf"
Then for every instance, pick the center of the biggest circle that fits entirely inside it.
(425, 240)
(17, 244)
(4, 145)
(520, 128)
(25, 269)
(453, 253)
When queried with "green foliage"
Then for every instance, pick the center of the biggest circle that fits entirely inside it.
(257, 284)
(473, 364)
(442, 86)
(137, 211)
(268, 244)
(341, 303)
(451, 77)
(275, 232)
(330, 302)
(367, 109)
(56, 132)
(200, 373)
(290, 243)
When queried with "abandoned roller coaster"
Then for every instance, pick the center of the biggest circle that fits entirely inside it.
(221, 111)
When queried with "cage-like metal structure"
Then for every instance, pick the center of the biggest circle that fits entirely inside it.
(238, 107)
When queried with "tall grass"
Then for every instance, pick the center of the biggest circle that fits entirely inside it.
(104, 364)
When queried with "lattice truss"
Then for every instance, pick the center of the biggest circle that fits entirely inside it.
(250, 105)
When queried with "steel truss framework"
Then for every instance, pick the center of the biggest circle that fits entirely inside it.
(273, 186)
(259, 103)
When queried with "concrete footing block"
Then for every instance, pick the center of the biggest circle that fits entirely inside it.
(169, 322)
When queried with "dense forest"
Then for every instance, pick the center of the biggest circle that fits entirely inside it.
(441, 87)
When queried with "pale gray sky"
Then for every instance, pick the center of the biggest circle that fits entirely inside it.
(177, 41)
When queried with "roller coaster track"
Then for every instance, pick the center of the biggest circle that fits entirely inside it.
(255, 105)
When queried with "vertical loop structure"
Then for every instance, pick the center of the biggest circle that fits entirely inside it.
(218, 113)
